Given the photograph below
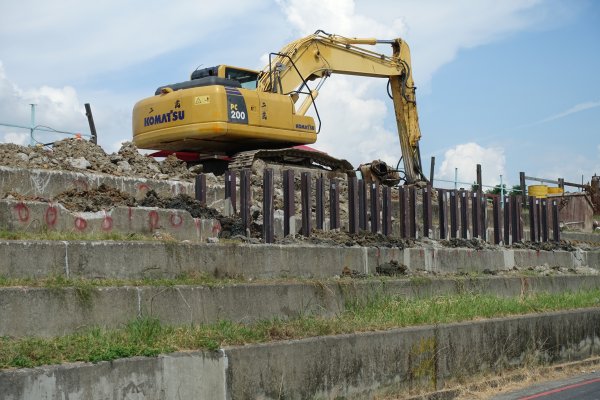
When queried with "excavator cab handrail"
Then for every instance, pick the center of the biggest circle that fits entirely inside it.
(304, 83)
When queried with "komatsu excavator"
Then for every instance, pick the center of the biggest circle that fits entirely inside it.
(238, 114)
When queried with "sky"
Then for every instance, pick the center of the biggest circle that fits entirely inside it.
(512, 85)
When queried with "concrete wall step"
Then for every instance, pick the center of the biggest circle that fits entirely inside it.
(39, 217)
(58, 311)
(136, 260)
(48, 184)
(344, 366)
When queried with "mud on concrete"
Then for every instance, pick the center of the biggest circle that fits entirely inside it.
(341, 238)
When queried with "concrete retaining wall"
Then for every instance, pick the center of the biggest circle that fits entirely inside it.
(59, 311)
(135, 260)
(172, 377)
(35, 217)
(581, 236)
(354, 366)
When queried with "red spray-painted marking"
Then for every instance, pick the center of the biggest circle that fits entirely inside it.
(51, 216)
(107, 223)
(130, 214)
(80, 224)
(216, 229)
(197, 223)
(177, 189)
(153, 219)
(176, 220)
(22, 212)
(143, 187)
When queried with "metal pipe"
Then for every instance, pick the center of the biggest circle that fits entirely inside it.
(32, 128)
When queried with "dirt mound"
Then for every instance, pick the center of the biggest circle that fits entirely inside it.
(179, 202)
(474, 243)
(548, 246)
(81, 155)
(101, 198)
(340, 238)
(392, 268)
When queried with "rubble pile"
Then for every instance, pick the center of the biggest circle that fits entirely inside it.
(82, 155)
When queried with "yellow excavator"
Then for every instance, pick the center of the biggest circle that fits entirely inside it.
(238, 115)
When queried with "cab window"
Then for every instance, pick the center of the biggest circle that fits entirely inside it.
(247, 79)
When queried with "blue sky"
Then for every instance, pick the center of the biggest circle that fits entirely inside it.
(512, 85)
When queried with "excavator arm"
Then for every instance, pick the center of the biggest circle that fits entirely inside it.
(319, 55)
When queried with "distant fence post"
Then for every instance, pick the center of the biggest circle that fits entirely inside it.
(544, 220)
(320, 202)
(387, 211)
(532, 219)
(442, 213)
(305, 194)
(90, 117)
(230, 197)
(334, 204)
(362, 204)
(412, 213)
(453, 214)
(200, 189)
(496, 218)
(289, 212)
(475, 213)
(374, 207)
(404, 206)
(507, 219)
(426, 211)
(464, 223)
(268, 210)
(431, 171)
(245, 200)
(353, 205)
(555, 221)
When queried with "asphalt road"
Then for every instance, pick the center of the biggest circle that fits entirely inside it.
(581, 387)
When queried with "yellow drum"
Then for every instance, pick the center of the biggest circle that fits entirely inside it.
(539, 191)
(555, 190)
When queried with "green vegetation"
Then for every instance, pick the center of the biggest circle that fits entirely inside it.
(85, 285)
(55, 235)
(147, 337)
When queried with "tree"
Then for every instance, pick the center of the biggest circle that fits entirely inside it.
(497, 189)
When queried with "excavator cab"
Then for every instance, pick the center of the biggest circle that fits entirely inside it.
(247, 78)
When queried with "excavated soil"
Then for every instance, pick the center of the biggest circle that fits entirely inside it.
(341, 238)
(105, 197)
(81, 155)
(548, 246)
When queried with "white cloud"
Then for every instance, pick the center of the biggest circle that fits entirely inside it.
(17, 138)
(56, 108)
(466, 156)
(335, 16)
(573, 110)
(353, 123)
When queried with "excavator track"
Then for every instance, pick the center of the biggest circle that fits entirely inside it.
(292, 157)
